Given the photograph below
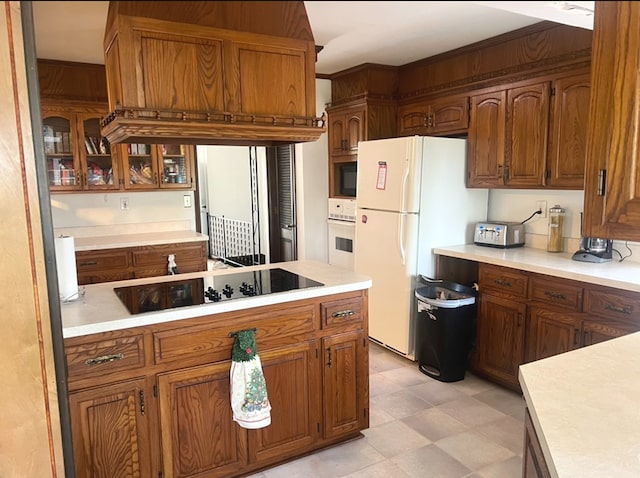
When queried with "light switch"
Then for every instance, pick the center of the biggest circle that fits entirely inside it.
(186, 200)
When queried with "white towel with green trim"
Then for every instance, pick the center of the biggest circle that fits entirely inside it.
(249, 400)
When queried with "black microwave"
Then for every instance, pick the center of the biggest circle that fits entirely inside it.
(347, 177)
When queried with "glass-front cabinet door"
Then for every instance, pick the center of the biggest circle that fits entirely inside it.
(99, 164)
(176, 169)
(139, 163)
(63, 164)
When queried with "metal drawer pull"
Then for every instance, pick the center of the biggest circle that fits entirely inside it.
(92, 263)
(622, 310)
(554, 295)
(503, 282)
(103, 359)
(343, 313)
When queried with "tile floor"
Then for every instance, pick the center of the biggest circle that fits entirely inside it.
(421, 427)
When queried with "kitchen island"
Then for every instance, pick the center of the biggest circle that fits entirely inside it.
(159, 380)
(584, 409)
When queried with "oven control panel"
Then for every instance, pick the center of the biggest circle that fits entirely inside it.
(342, 209)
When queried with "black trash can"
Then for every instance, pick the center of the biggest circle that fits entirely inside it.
(445, 329)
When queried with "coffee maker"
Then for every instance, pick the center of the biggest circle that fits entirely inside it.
(594, 249)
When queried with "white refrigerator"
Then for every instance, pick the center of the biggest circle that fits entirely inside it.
(411, 197)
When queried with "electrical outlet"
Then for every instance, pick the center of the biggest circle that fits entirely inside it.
(542, 206)
(124, 204)
(186, 200)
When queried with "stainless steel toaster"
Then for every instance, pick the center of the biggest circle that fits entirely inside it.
(499, 234)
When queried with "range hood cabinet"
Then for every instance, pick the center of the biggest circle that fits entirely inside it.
(227, 73)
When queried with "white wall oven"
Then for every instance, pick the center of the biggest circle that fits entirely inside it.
(341, 226)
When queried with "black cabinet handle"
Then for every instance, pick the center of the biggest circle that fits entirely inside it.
(103, 359)
(90, 263)
(343, 313)
(614, 308)
(330, 362)
(503, 282)
(554, 295)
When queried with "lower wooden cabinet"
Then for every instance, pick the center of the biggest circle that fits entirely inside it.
(124, 263)
(155, 400)
(525, 316)
(110, 430)
(500, 340)
(533, 461)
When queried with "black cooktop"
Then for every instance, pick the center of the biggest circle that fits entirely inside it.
(186, 292)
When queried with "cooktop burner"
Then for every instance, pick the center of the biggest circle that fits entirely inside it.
(186, 292)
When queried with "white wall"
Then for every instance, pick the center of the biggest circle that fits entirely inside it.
(312, 187)
(79, 210)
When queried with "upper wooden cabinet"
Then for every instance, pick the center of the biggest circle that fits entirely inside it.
(530, 135)
(78, 157)
(612, 183)
(346, 128)
(447, 115)
(351, 123)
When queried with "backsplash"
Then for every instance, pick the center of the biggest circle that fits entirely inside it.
(518, 204)
(104, 211)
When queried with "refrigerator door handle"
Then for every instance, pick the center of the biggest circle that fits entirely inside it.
(401, 226)
(403, 190)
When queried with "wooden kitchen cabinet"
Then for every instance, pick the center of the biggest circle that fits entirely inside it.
(530, 135)
(78, 157)
(122, 263)
(345, 370)
(534, 464)
(612, 191)
(552, 332)
(110, 430)
(165, 388)
(353, 122)
(157, 166)
(447, 115)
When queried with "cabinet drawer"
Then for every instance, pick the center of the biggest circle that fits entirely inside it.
(341, 312)
(557, 292)
(613, 303)
(503, 281)
(209, 343)
(104, 356)
(87, 261)
(158, 255)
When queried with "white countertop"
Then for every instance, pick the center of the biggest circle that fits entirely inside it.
(91, 243)
(585, 406)
(621, 275)
(100, 310)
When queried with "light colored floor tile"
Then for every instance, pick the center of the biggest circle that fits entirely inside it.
(434, 424)
(509, 468)
(470, 411)
(350, 457)
(382, 360)
(394, 438)
(430, 462)
(379, 384)
(399, 404)
(406, 376)
(436, 392)
(507, 432)
(508, 402)
(472, 384)
(378, 416)
(473, 450)
(385, 469)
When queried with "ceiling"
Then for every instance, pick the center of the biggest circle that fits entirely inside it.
(352, 33)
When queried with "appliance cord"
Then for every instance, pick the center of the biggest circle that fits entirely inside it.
(539, 211)
(626, 244)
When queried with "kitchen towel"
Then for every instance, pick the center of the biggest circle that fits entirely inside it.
(66, 267)
(249, 401)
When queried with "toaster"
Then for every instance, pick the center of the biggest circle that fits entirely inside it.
(499, 234)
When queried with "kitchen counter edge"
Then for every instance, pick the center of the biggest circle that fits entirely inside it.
(100, 310)
(620, 275)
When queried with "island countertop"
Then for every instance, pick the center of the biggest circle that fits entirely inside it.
(621, 275)
(100, 310)
(92, 243)
(584, 405)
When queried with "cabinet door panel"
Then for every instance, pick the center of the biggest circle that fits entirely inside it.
(412, 119)
(293, 387)
(599, 330)
(110, 431)
(346, 388)
(486, 140)
(613, 159)
(501, 338)
(568, 147)
(449, 115)
(355, 130)
(527, 138)
(552, 333)
(198, 434)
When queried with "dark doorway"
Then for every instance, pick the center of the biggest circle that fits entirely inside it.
(282, 207)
